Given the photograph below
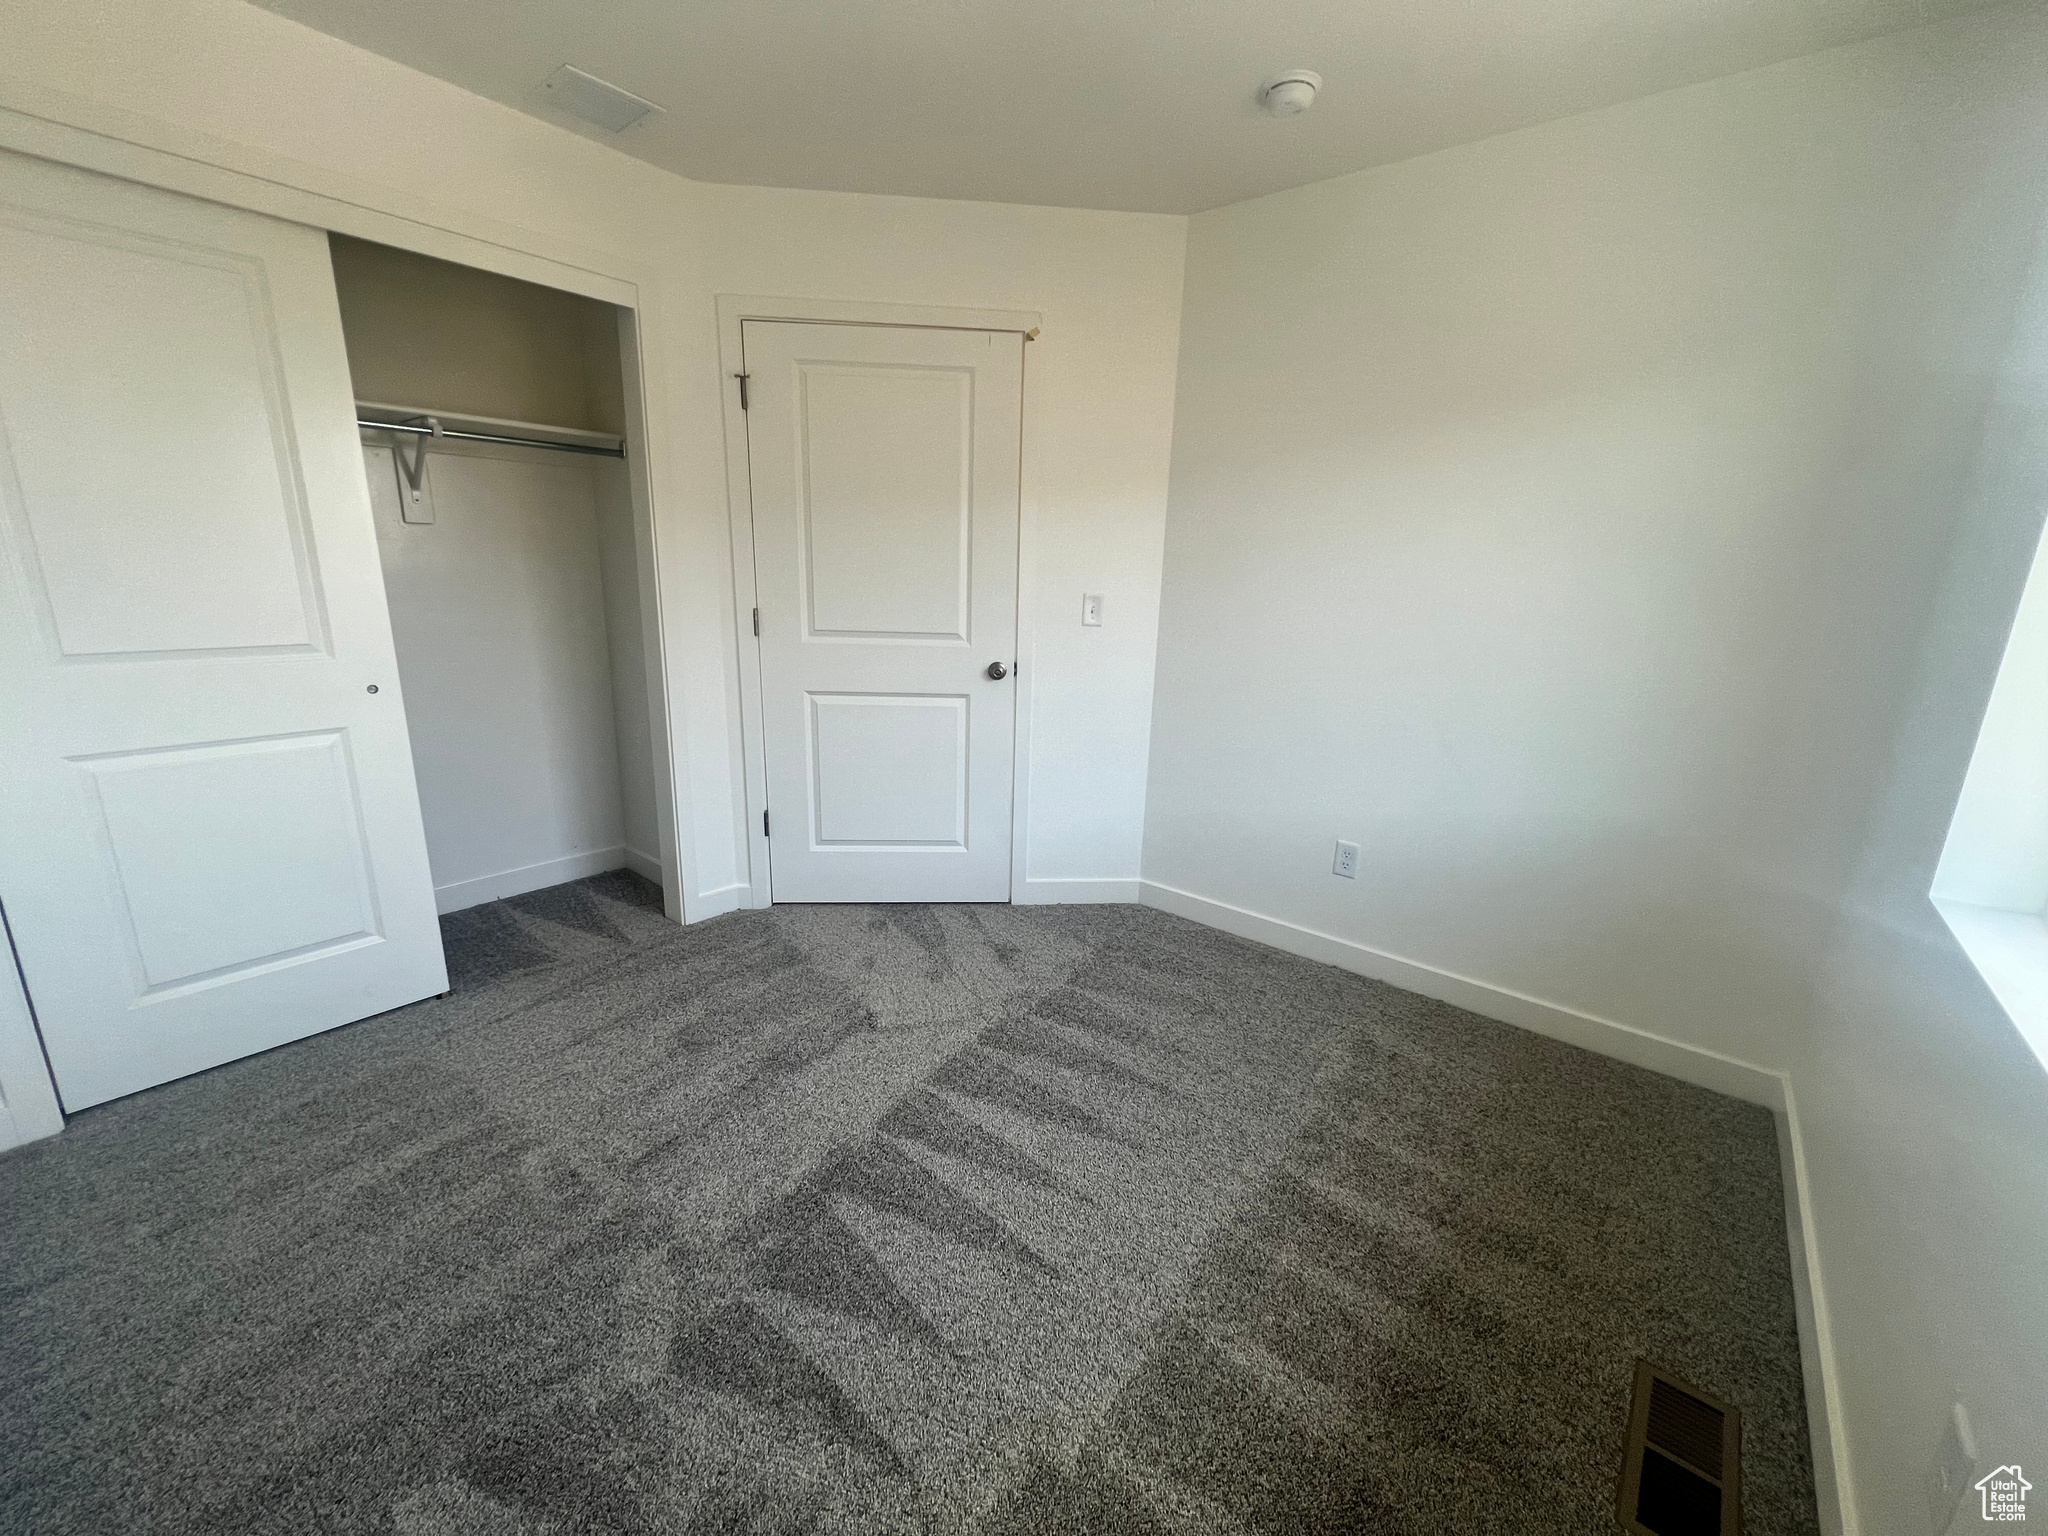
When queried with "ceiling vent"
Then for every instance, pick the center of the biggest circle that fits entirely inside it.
(596, 101)
(1681, 1467)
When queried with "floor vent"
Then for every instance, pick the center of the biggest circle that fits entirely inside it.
(1681, 1473)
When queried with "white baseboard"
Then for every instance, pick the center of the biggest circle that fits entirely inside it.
(530, 877)
(716, 902)
(1624, 1042)
(32, 1125)
(1832, 1480)
(29, 1110)
(645, 865)
(1035, 893)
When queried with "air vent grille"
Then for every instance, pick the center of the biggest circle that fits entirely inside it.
(1681, 1463)
(596, 101)
(1685, 1427)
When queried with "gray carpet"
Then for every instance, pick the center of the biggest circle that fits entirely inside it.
(937, 1219)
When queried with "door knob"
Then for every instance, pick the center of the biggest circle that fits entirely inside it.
(998, 671)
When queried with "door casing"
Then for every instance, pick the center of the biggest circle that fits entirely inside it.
(751, 755)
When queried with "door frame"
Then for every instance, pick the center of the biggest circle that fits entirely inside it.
(750, 747)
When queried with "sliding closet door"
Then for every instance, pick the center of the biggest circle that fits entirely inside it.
(210, 842)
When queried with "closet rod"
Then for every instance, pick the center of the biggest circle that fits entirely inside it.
(492, 437)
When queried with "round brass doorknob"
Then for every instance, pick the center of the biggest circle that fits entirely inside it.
(998, 671)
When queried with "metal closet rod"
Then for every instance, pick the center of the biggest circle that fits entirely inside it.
(491, 437)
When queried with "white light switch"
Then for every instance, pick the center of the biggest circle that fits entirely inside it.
(1091, 607)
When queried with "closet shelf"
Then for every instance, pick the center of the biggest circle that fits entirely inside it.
(458, 426)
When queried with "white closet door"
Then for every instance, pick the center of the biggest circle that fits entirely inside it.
(884, 463)
(211, 840)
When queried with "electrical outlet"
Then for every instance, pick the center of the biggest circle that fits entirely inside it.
(1347, 860)
(1091, 608)
(1954, 1470)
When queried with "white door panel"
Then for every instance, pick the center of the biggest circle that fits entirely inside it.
(215, 561)
(884, 467)
(887, 461)
(921, 797)
(211, 842)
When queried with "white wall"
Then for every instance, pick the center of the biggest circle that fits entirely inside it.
(1559, 517)
(1927, 1112)
(428, 332)
(1098, 428)
(225, 83)
(499, 615)
(618, 558)
(516, 612)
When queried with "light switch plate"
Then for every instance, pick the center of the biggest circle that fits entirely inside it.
(1091, 608)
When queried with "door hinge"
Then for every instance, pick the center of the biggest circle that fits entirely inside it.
(757, 621)
(764, 823)
(743, 388)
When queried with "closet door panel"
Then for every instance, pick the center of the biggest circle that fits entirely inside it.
(212, 839)
(139, 544)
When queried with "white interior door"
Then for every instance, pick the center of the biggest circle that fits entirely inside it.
(884, 465)
(211, 840)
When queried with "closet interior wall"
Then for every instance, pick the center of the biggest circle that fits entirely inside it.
(516, 611)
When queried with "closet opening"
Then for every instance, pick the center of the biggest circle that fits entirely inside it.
(495, 416)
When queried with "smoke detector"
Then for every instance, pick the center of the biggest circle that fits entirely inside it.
(1291, 94)
(596, 101)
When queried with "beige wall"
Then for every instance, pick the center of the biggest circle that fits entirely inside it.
(435, 334)
(1561, 518)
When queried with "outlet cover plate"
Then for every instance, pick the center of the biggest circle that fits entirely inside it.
(1346, 862)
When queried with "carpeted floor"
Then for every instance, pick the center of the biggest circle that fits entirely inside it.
(838, 1219)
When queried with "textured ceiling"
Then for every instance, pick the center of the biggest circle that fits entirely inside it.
(1133, 104)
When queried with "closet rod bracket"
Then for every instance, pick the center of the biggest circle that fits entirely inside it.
(416, 470)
